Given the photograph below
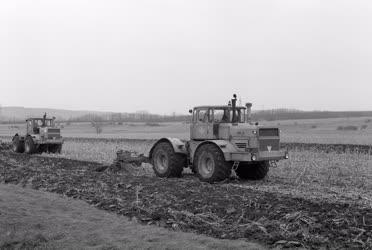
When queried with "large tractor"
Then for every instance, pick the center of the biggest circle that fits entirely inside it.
(41, 135)
(222, 138)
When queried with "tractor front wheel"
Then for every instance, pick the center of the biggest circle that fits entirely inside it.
(252, 170)
(18, 145)
(210, 164)
(165, 162)
(30, 146)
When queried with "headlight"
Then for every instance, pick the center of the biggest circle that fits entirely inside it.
(254, 132)
(254, 157)
(286, 156)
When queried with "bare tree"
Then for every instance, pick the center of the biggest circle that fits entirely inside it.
(97, 126)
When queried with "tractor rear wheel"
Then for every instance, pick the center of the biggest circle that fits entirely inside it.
(252, 170)
(210, 164)
(18, 145)
(30, 146)
(165, 162)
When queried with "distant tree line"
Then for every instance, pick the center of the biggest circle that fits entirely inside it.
(266, 115)
(289, 114)
(141, 116)
(144, 116)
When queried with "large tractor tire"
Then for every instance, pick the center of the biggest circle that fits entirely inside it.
(18, 145)
(165, 162)
(252, 170)
(55, 149)
(41, 149)
(30, 147)
(210, 164)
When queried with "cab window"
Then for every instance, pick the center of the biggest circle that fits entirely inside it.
(241, 115)
(225, 115)
(221, 116)
(203, 115)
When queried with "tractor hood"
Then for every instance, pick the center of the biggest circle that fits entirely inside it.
(245, 130)
(50, 132)
(228, 131)
(241, 130)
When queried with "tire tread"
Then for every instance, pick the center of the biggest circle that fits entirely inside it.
(175, 164)
(222, 167)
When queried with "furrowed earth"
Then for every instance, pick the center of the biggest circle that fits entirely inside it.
(227, 210)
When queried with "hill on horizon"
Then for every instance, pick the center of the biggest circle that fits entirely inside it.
(12, 113)
(18, 114)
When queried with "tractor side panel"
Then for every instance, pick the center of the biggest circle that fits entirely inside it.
(21, 138)
(224, 132)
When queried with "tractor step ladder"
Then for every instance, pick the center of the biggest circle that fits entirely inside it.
(235, 165)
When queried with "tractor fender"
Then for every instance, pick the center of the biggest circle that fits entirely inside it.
(178, 145)
(21, 138)
(16, 135)
(226, 148)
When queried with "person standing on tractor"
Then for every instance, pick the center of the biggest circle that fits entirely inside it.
(44, 120)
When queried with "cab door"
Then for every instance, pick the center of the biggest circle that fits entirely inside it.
(202, 127)
(29, 127)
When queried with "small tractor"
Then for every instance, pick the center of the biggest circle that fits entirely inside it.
(222, 139)
(41, 135)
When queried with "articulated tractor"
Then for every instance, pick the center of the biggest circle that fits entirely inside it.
(222, 139)
(41, 135)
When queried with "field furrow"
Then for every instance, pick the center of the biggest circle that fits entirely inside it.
(225, 210)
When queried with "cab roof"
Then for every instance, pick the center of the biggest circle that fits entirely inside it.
(219, 107)
(31, 119)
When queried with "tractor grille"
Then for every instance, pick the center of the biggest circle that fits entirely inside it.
(54, 132)
(241, 145)
(269, 144)
(268, 132)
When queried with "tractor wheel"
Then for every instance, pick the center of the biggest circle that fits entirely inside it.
(55, 149)
(18, 145)
(165, 162)
(30, 146)
(252, 170)
(41, 149)
(210, 164)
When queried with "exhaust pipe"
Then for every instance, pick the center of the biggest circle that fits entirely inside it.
(233, 102)
(249, 112)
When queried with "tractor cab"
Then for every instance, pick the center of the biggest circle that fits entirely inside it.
(218, 114)
(220, 122)
(34, 124)
(209, 121)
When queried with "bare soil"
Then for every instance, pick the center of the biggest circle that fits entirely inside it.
(222, 210)
(32, 219)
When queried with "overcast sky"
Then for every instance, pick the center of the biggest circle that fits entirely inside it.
(165, 56)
